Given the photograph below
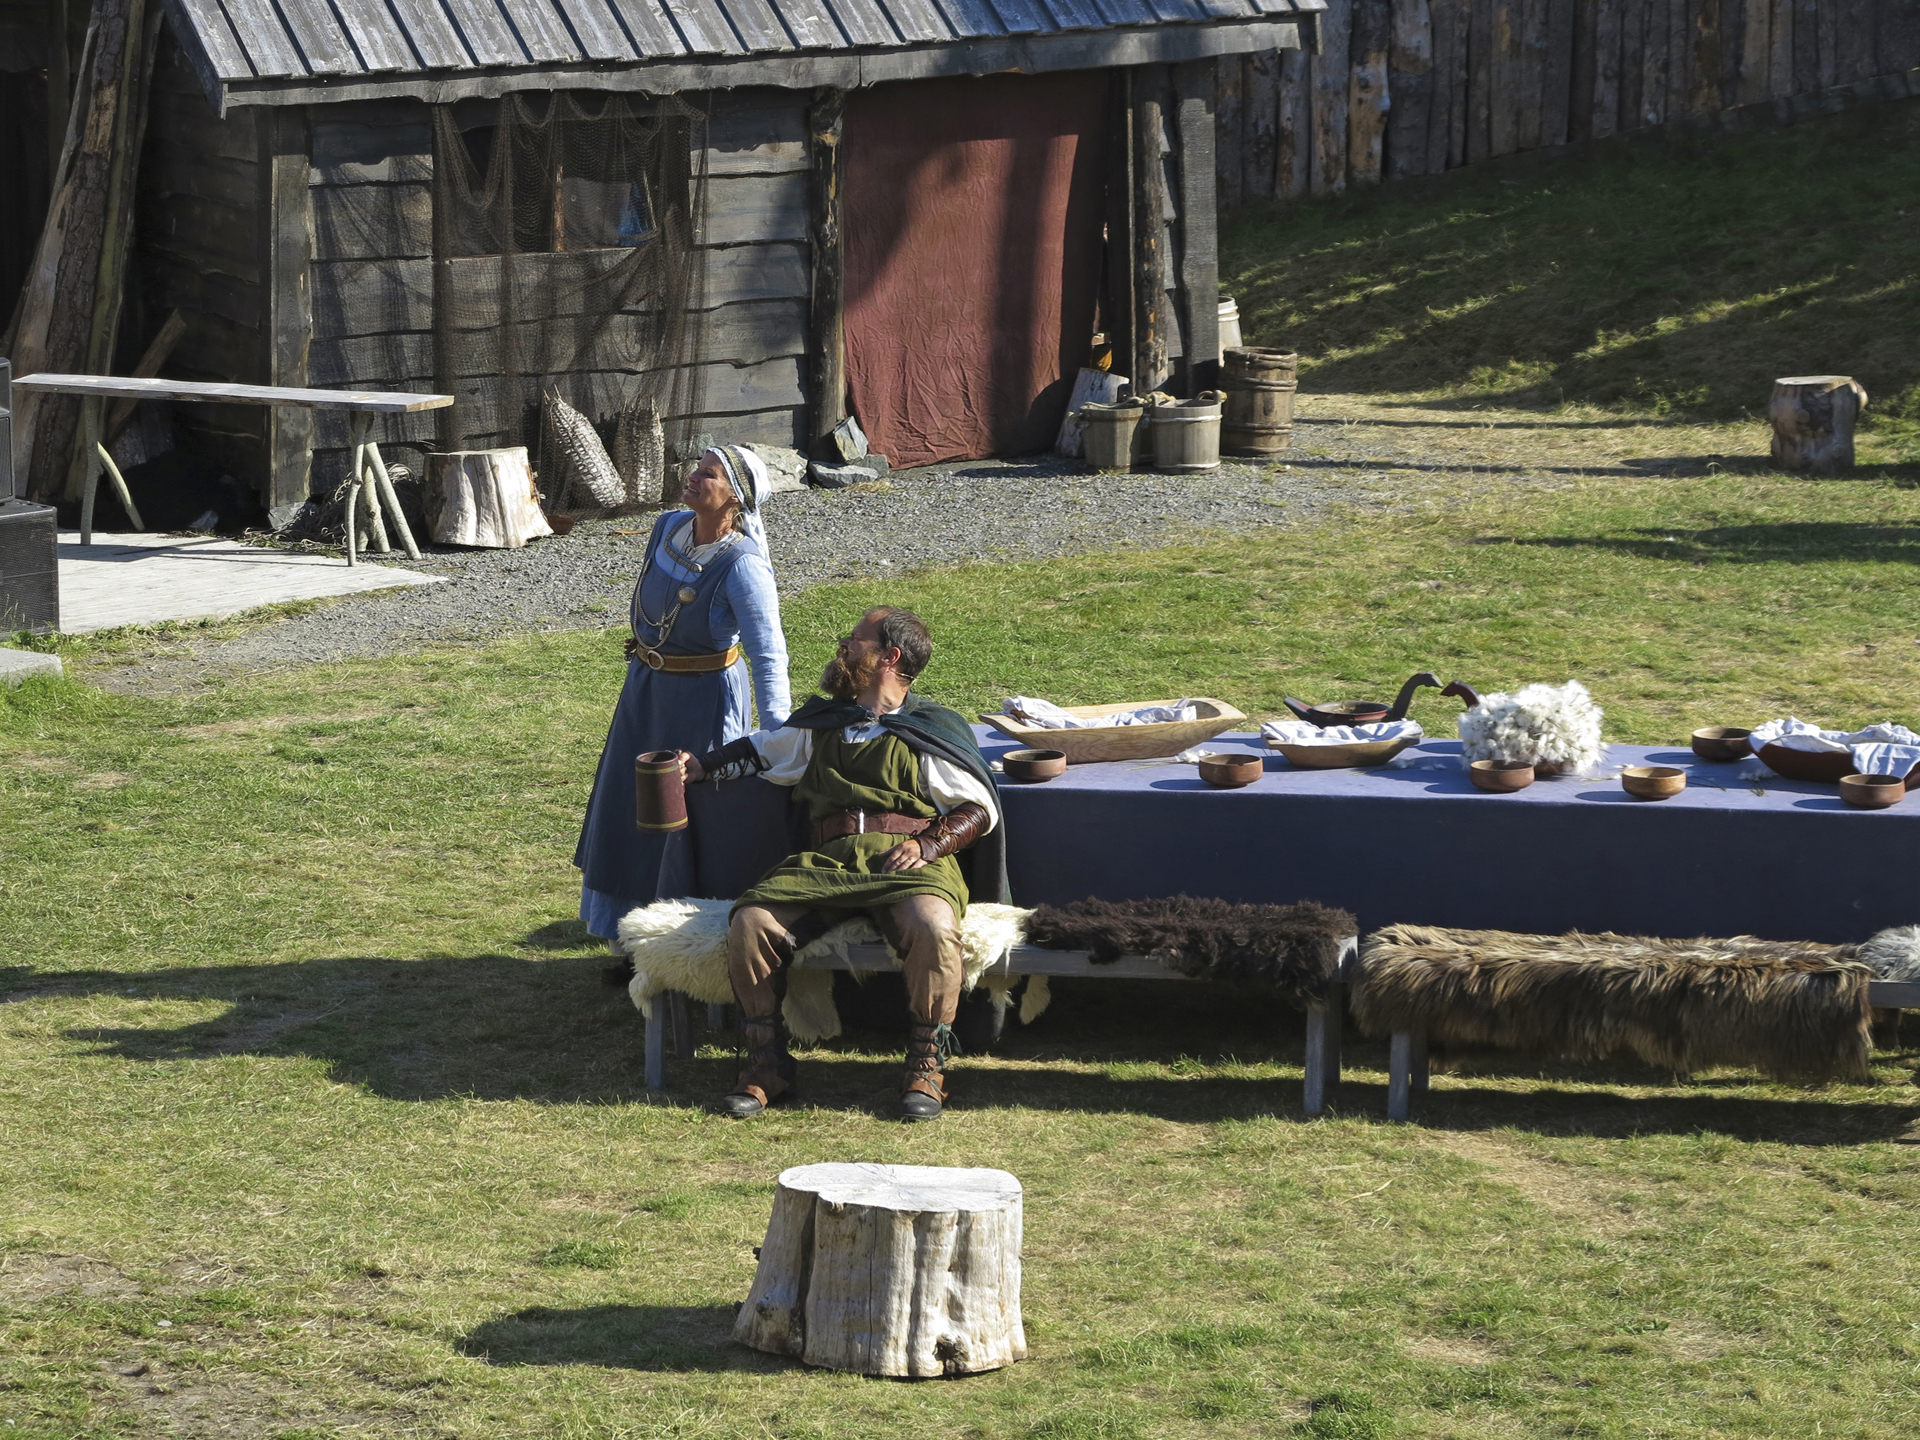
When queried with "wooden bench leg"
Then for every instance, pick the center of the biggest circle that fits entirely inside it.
(1313, 1093)
(1417, 1073)
(656, 1058)
(717, 1018)
(682, 1027)
(378, 468)
(1336, 1022)
(1399, 1074)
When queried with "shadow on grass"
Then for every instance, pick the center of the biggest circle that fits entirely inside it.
(1745, 544)
(496, 1027)
(682, 1338)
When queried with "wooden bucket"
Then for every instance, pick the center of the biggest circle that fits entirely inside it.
(1107, 434)
(1186, 434)
(659, 794)
(1260, 386)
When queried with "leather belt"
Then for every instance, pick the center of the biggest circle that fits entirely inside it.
(865, 822)
(684, 664)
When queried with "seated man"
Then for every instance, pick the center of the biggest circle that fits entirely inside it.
(895, 786)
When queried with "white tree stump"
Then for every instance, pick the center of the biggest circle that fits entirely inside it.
(1813, 418)
(485, 498)
(903, 1270)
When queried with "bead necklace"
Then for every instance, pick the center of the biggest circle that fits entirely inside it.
(685, 595)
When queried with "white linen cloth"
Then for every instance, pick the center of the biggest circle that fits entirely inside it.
(1305, 732)
(1883, 749)
(1049, 716)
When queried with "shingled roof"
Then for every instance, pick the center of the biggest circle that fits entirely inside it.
(251, 52)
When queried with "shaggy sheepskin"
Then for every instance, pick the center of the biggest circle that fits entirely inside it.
(1290, 950)
(1793, 1011)
(682, 945)
(1893, 954)
(1538, 725)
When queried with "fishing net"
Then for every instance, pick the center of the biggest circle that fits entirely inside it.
(566, 263)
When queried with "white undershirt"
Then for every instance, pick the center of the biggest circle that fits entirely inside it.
(788, 750)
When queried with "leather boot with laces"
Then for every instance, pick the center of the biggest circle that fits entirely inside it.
(770, 1071)
(923, 1093)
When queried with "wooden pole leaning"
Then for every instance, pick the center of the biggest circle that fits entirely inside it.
(97, 456)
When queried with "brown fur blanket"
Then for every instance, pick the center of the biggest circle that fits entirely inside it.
(1291, 950)
(1793, 1011)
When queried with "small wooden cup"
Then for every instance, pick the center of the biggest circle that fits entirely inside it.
(1500, 777)
(659, 794)
(1033, 764)
(1872, 792)
(1653, 782)
(1721, 743)
(1230, 772)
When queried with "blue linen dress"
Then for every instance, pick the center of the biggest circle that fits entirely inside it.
(734, 601)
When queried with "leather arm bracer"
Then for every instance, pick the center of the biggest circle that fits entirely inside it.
(955, 830)
(732, 761)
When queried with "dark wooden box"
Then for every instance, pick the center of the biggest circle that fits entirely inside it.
(29, 577)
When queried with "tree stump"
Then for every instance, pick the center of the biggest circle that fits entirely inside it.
(902, 1270)
(485, 499)
(1813, 418)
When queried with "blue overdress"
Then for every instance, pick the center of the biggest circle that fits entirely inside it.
(621, 865)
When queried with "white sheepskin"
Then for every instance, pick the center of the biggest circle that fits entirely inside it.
(682, 945)
(1894, 954)
(1541, 724)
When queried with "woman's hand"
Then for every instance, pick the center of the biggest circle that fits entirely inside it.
(904, 856)
(690, 771)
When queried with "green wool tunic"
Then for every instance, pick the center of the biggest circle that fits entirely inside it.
(878, 774)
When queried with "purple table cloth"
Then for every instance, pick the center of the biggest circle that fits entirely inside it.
(1780, 859)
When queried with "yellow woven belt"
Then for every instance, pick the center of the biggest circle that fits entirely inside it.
(686, 664)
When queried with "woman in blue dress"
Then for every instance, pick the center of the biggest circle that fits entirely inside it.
(704, 610)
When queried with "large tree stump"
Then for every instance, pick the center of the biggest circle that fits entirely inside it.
(1813, 418)
(905, 1270)
(485, 498)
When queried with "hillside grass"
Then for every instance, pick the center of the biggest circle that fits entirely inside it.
(1678, 277)
(317, 1121)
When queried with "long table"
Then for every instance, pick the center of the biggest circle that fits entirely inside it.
(1780, 859)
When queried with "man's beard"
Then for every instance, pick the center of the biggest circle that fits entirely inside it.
(845, 681)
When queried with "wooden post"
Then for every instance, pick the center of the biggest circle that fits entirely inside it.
(1330, 105)
(1367, 101)
(1120, 305)
(286, 250)
(901, 1270)
(1229, 106)
(1150, 317)
(682, 1026)
(655, 1059)
(1399, 1074)
(1410, 121)
(1557, 77)
(1293, 139)
(1813, 418)
(1313, 1090)
(1481, 46)
(827, 338)
(1260, 97)
(1447, 146)
(1199, 228)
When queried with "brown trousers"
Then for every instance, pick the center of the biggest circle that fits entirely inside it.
(932, 964)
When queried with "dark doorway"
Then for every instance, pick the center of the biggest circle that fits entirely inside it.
(972, 214)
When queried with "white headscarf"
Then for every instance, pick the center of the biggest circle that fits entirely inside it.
(746, 472)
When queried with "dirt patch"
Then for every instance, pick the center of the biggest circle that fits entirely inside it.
(1558, 1188)
(26, 1278)
(102, 780)
(1687, 1341)
(1438, 1350)
(201, 1406)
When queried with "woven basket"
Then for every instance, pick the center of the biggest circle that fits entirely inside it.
(1121, 742)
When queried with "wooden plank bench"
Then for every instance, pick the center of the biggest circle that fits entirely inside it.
(1407, 1069)
(1323, 1020)
(368, 468)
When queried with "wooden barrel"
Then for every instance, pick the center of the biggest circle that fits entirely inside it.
(1186, 434)
(1259, 410)
(1107, 433)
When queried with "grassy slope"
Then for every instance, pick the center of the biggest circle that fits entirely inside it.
(1679, 276)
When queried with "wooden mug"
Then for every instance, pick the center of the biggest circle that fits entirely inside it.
(659, 793)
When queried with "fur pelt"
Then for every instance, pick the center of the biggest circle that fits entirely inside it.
(1540, 725)
(1893, 954)
(1290, 950)
(1793, 1011)
(682, 945)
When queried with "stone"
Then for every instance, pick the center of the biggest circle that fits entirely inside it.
(786, 469)
(18, 665)
(838, 477)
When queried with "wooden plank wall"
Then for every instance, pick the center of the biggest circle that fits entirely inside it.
(1413, 87)
(371, 185)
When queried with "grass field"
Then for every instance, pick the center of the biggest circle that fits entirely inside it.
(318, 1122)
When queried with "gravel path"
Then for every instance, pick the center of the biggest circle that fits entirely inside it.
(941, 515)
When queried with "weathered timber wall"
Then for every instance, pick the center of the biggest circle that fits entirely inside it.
(1413, 87)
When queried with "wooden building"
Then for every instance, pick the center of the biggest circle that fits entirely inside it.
(916, 210)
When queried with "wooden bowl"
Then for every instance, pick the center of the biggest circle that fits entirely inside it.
(1033, 764)
(1122, 742)
(1821, 766)
(1343, 757)
(1349, 712)
(1721, 743)
(1500, 777)
(1653, 782)
(1872, 792)
(1230, 772)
